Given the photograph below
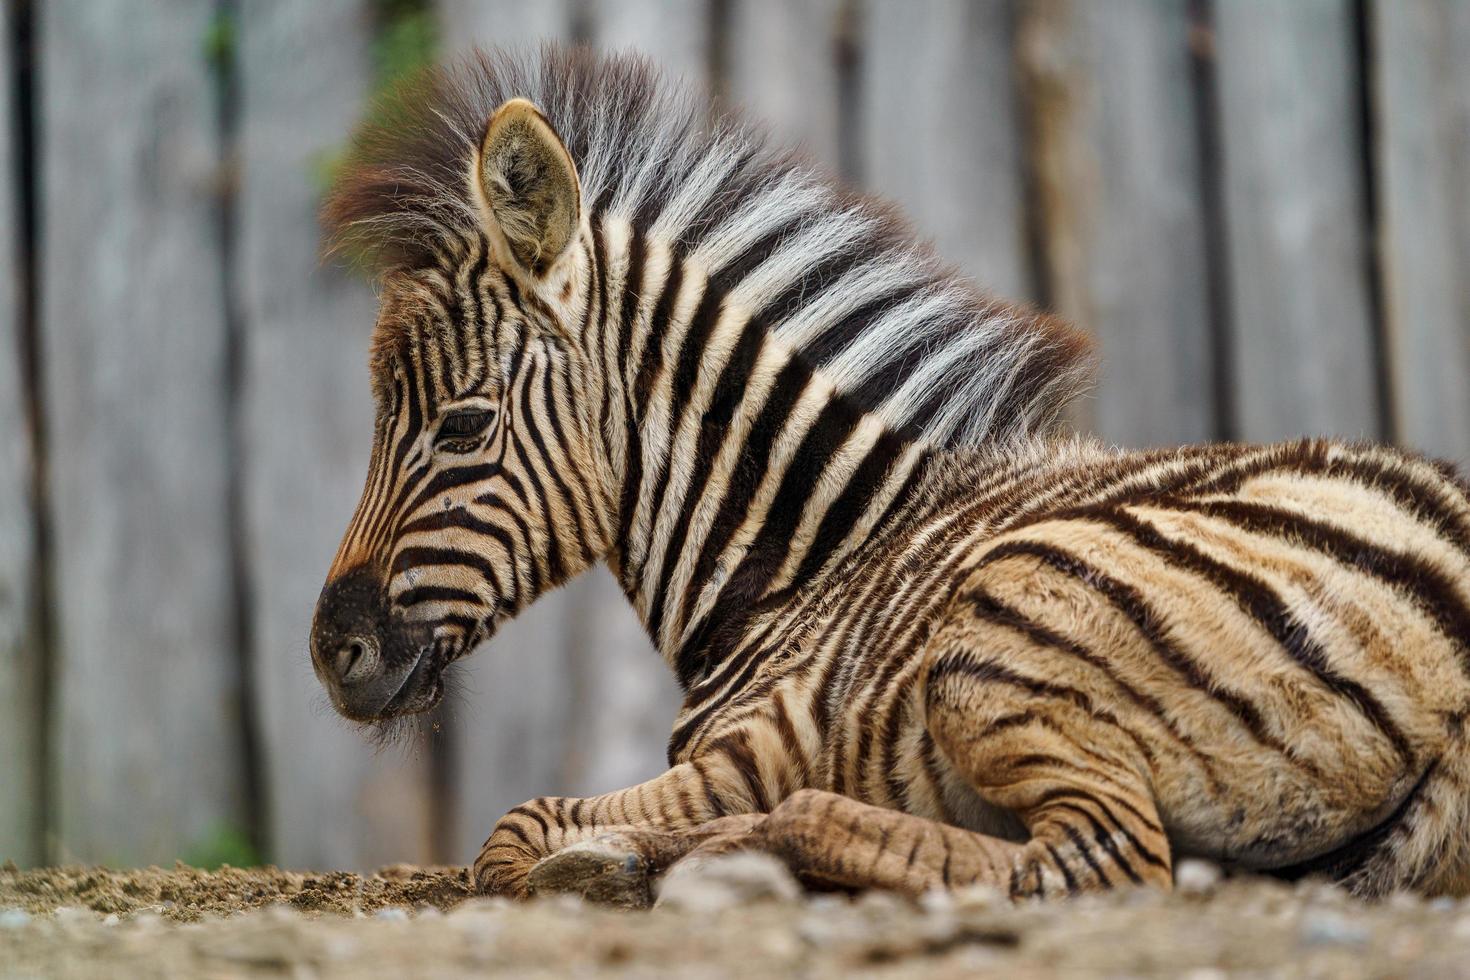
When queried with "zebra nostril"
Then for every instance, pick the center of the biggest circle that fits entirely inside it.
(356, 659)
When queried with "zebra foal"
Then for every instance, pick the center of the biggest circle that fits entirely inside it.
(924, 640)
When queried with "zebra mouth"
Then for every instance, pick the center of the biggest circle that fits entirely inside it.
(421, 688)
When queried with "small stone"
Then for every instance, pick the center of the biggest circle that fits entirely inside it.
(879, 904)
(110, 919)
(828, 903)
(391, 914)
(146, 921)
(1324, 928)
(72, 914)
(1195, 877)
(726, 881)
(339, 947)
(1443, 903)
(567, 904)
(1404, 900)
(475, 908)
(979, 898)
(1319, 891)
(937, 901)
(824, 930)
(14, 918)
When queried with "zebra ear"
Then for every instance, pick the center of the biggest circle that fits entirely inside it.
(528, 185)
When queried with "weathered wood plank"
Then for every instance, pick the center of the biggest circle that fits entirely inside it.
(21, 710)
(1116, 155)
(307, 415)
(1422, 95)
(676, 36)
(781, 61)
(1302, 333)
(940, 131)
(146, 726)
(508, 23)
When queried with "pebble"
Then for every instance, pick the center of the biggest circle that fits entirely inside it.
(937, 901)
(879, 904)
(146, 921)
(391, 914)
(1329, 928)
(727, 881)
(14, 918)
(340, 947)
(567, 903)
(1405, 900)
(71, 914)
(979, 898)
(824, 931)
(479, 908)
(1196, 877)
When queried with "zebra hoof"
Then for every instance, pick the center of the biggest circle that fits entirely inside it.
(607, 870)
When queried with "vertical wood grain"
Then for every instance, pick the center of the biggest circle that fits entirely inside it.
(941, 134)
(1115, 144)
(1295, 216)
(21, 710)
(673, 35)
(146, 725)
(1422, 119)
(306, 411)
(504, 23)
(782, 63)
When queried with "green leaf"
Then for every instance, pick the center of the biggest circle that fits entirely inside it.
(225, 844)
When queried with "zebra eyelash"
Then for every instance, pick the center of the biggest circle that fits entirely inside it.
(462, 431)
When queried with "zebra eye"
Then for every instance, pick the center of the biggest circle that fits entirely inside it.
(464, 425)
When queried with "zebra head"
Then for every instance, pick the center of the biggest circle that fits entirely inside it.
(483, 490)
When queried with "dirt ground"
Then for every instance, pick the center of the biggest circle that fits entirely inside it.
(734, 920)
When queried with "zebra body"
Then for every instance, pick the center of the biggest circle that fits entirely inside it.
(937, 644)
(1261, 637)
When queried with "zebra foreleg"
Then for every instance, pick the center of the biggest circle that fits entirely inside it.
(646, 822)
(621, 867)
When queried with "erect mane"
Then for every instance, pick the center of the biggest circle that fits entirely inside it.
(836, 275)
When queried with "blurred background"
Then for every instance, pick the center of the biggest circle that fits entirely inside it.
(1261, 209)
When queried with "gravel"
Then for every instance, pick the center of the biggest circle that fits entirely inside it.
(733, 918)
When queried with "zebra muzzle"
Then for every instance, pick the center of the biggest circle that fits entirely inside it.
(372, 667)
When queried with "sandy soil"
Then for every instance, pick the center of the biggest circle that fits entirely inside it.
(737, 920)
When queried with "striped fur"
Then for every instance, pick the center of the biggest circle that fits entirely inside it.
(919, 649)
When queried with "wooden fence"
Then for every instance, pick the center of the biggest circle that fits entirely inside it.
(1261, 209)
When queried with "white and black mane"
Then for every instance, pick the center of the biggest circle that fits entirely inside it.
(835, 275)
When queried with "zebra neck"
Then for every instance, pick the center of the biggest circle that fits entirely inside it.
(744, 475)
